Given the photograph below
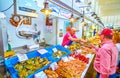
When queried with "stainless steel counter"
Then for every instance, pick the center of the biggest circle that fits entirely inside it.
(26, 48)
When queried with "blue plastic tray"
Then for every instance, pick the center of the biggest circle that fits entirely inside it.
(59, 47)
(14, 60)
(46, 54)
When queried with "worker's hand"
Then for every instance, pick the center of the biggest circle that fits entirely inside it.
(92, 46)
(78, 39)
(82, 40)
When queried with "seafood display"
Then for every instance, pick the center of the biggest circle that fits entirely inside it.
(70, 69)
(71, 63)
(28, 67)
(51, 74)
(80, 57)
(74, 47)
(58, 54)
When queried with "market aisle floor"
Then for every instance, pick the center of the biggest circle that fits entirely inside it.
(91, 73)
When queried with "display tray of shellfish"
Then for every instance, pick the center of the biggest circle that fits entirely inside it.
(27, 65)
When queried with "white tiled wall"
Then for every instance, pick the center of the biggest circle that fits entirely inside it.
(15, 41)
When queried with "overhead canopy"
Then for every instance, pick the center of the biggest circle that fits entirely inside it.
(109, 11)
(109, 7)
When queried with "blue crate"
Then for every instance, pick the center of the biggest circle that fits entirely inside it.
(54, 59)
(33, 54)
(48, 54)
(14, 60)
(43, 68)
(59, 47)
(51, 59)
(13, 72)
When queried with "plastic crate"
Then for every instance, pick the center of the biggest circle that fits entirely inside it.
(59, 47)
(43, 68)
(50, 58)
(48, 54)
(14, 60)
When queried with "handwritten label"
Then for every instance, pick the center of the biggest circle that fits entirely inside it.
(42, 51)
(22, 57)
(54, 66)
(40, 75)
(66, 46)
(71, 58)
(65, 59)
(54, 50)
(79, 51)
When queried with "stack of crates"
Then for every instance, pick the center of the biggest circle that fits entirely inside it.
(14, 60)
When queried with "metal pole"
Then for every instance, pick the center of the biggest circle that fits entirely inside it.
(56, 31)
(3, 42)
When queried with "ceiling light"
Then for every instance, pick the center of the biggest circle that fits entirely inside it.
(84, 23)
(46, 9)
(72, 18)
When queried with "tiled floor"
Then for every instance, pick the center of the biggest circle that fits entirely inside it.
(91, 73)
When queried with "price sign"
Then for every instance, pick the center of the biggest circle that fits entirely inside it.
(66, 46)
(42, 51)
(65, 59)
(54, 50)
(40, 75)
(22, 57)
(54, 66)
(79, 51)
(71, 58)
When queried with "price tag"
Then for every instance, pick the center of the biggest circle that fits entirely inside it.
(22, 57)
(89, 55)
(65, 59)
(40, 75)
(78, 51)
(66, 46)
(54, 50)
(71, 58)
(54, 66)
(42, 51)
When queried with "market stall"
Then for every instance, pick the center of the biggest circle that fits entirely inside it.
(64, 62)
(31, 34)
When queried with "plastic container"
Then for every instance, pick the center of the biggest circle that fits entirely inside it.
(47, 54)
(61, 48)
(14, 60)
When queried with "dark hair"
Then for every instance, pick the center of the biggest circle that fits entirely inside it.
(108, 37)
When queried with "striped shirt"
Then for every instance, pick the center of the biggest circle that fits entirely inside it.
(106, 59)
